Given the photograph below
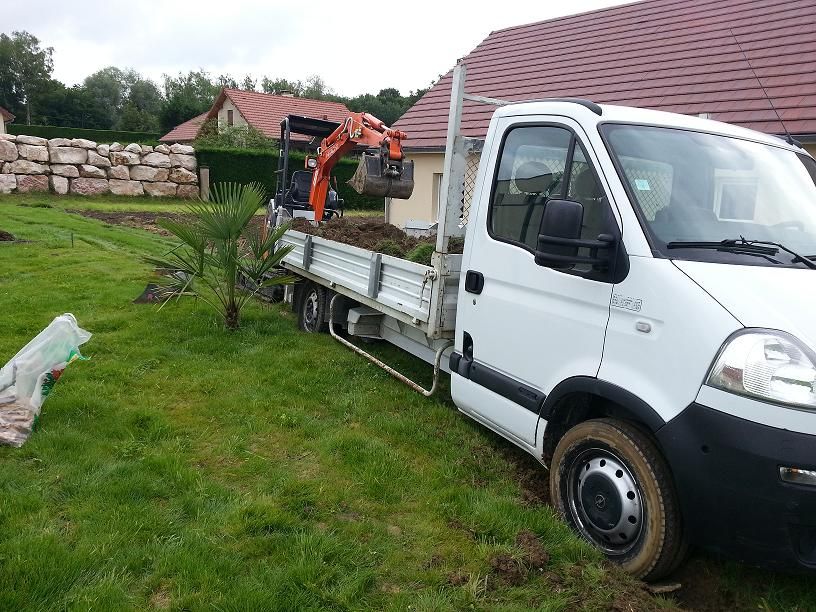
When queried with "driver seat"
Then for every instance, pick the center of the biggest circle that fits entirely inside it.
(299, 189)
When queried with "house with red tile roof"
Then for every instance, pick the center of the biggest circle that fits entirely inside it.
(185, 132)
(5, 117)
(709, 57)
(236, 107)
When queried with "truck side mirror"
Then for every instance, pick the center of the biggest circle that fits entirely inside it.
(560, 238)
(561, 219)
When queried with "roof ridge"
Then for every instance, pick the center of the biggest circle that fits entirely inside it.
(620, 5)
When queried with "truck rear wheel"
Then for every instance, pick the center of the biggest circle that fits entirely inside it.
(612, 485)
(312, 308)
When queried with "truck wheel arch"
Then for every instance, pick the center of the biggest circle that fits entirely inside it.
(579, 398)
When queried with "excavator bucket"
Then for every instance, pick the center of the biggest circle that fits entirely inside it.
(378, 179)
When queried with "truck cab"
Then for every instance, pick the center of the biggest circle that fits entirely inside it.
(634, 311)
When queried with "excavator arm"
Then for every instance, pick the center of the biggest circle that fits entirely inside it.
(383, 173)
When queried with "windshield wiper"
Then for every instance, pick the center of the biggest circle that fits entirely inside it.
(763, 248)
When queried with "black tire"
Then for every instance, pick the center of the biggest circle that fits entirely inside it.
(612, 485)
(312, 308)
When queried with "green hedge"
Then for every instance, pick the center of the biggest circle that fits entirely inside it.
(247, 166)
(100, 136)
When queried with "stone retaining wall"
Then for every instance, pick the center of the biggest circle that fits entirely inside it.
(83, 167)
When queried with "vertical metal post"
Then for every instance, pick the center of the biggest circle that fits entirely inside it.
(449, 187)
(204, 183)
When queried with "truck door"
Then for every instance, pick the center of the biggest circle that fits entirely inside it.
(522, 328)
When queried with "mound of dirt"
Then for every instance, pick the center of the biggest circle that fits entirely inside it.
(364, 232)
(516, 570)
(374, 234)
(534, 552)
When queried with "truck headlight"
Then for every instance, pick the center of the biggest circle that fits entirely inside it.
(768, 365)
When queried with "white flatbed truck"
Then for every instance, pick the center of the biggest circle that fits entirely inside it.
(633, 307)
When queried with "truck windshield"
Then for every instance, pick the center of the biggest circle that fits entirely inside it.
(693, 187)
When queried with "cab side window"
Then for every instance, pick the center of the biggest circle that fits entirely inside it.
(539, 163)
(584, 188)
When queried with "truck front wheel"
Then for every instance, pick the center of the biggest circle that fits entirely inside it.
(612, 485)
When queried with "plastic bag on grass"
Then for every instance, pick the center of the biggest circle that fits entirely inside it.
(27, 379)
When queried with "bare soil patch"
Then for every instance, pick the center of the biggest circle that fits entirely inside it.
(6, 236)
(140, 220)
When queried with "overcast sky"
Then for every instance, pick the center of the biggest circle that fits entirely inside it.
(357, 47)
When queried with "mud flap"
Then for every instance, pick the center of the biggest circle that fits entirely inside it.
(374, 178)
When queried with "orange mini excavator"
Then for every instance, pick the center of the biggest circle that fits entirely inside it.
(383, 170)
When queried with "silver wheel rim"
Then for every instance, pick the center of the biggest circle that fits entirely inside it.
(310, 311)
(605, 501)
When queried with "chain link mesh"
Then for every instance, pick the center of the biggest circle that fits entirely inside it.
(651, 183)
(471, 169)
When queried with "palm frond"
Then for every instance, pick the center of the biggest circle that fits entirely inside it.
(219, 244)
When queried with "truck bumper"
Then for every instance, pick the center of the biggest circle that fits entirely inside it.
(733, 499)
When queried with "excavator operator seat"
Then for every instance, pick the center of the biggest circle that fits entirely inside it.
(298, 193)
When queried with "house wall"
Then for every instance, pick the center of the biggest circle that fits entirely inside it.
(237, 117)
(421, 206)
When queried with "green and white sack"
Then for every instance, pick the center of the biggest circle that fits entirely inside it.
(27, 379)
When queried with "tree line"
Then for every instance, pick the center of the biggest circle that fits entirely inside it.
(122, 99)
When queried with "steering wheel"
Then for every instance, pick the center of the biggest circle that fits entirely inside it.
(797, 225)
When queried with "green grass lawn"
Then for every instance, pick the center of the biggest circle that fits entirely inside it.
(185, 467)
(111, 203)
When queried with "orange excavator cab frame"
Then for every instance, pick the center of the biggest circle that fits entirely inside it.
(383, 170)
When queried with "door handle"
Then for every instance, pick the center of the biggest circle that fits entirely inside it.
(474, 282)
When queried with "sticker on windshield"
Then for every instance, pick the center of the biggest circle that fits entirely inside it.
(642, 185)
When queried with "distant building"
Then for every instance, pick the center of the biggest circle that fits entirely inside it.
(7, 118)
(711, 59)
(262, 111)
(185, 132)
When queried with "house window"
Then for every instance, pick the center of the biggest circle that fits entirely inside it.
(437, 195)
(230, 118)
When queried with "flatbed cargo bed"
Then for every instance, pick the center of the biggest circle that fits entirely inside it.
(418, 295)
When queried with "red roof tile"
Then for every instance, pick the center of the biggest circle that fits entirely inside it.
(668, 55)
(7, 116)
(185, 132)
(266, 111)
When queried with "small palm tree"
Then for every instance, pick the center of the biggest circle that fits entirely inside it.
(220, 249)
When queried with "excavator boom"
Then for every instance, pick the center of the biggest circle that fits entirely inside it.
(383, 172)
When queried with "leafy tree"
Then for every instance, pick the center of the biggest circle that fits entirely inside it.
(276, 86)
(109, 87)
(116, 98)
(140, 112)
(69, 107)
(316, 88)
(388, 105)
(233, 137)
(221, 247)
(186, 96)
(25, 71)
(225, 80)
